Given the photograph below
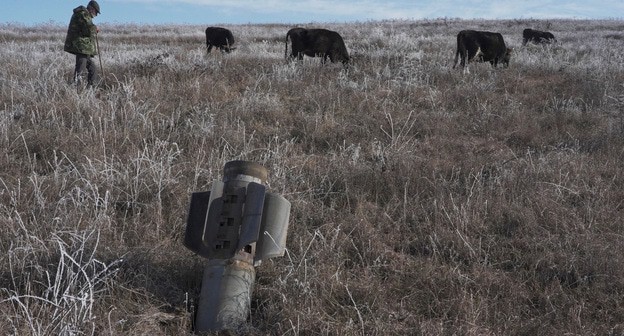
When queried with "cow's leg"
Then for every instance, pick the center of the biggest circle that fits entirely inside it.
(208, 48)
(465, 61)
(324, 58)
(331, 57)
(463, 56)
(478, 56)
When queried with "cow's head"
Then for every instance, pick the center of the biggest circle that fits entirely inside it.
(345, 59)
(340, 56)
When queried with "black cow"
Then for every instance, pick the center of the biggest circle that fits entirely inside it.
(316, 42)
(537, 36)
(481, 46)
(219, 37)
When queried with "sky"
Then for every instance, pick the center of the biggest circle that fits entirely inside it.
(34, 12)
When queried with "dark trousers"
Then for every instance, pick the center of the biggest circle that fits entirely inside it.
(84, 63)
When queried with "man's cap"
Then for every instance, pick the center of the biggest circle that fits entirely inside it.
(93, 4)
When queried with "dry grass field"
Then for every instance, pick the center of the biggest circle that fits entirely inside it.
(425, 201)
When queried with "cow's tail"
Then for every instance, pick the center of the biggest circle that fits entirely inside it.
(457, 52)
(286, 46)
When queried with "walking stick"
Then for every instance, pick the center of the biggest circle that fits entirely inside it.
(97, 44)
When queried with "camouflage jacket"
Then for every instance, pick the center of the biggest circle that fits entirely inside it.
(81, 33)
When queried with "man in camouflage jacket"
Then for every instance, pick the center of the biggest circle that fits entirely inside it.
(81, 41)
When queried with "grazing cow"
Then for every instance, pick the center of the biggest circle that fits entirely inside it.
(219, 37)
(316, 42)
(537, 37)
(481, 46)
